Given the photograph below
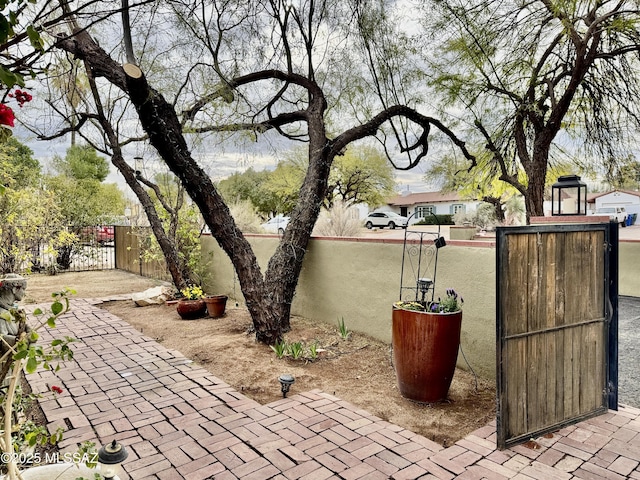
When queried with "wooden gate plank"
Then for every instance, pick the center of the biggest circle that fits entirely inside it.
(516, 393)
(553, 334)
(516, 281)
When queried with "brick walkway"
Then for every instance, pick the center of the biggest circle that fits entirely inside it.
(178, 421)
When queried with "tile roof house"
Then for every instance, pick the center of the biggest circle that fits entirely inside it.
(426, 203)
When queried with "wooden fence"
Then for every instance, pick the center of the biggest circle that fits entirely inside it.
(131, 243)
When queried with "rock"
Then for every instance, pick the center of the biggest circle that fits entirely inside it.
(151, 296)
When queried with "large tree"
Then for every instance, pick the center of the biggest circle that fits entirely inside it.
(251, 185)
(279, 67)
(534, 81)
(81, 194)
(29, 213)
(362, 174)
(82, 162)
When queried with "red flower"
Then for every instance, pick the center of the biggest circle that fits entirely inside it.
(56, 389)
(6, 115)
(21, 96)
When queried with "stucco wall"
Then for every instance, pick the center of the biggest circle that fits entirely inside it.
(629, 264)
(360, 280)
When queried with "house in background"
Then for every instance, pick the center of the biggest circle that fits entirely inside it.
(424, 204)
(628, 199)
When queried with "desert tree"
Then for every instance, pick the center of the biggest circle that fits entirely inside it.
(362, 174)
(538, 82)
(264, 68)
(75, 99)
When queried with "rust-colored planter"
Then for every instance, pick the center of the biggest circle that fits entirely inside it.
(425, 351)
(216, 305)
(191, 309)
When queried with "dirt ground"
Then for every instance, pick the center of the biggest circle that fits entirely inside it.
(357, 369)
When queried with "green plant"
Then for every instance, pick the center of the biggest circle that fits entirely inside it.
(280, 349)
(343, 330)
(192, 292)
(313, 350)
(88, 454)
(440, 219)
(452, 302)
(296, 350)
(27, 354)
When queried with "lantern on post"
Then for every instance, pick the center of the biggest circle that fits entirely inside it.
(569, 196)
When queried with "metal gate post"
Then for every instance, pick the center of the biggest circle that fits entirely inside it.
(612, 389)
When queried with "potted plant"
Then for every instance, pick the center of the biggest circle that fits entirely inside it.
(425, 339)
(216, 305)
(191, 305)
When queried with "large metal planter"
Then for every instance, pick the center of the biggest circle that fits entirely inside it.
(425, 351)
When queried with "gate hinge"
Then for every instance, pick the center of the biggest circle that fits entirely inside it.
(611, 388)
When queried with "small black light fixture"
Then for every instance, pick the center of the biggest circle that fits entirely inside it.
(110, 457)
(286, 381)
(569, 196)
(424, 285)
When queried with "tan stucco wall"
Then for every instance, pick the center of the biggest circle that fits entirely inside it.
(360, 280)
(629, 269)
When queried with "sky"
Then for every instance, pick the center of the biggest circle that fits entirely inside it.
(220, 161)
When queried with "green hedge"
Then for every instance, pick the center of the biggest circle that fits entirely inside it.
(441, 219)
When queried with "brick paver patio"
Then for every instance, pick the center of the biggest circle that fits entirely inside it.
(178, 421)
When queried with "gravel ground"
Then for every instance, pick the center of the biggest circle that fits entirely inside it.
(629, 351)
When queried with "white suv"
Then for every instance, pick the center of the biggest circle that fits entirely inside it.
(385, 219)
(276, 224)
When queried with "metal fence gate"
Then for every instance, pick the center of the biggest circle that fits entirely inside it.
(557, 363)
(33, 249)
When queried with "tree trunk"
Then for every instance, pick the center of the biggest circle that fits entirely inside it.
(497, 204)
(536, 171)
(268, 299)
(181, 274)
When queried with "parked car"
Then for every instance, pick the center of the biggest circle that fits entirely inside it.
(276, 224)
(100, 234)
(616, 214)
(385, 219)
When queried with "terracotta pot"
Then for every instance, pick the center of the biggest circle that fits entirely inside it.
(425, 351)
(191, 309)
(216, 305)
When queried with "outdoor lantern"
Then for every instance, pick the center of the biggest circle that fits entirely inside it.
(569, 196)
(286, 381)
(424, 284)
(109, 459)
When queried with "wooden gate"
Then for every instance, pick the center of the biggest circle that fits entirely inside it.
(553, 318)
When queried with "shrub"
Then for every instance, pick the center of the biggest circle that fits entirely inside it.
(445, 219)
(245, 216)
(340, 221)
(484, 216)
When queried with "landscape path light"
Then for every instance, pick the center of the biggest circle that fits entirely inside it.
(286, 381)
(110, 457)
